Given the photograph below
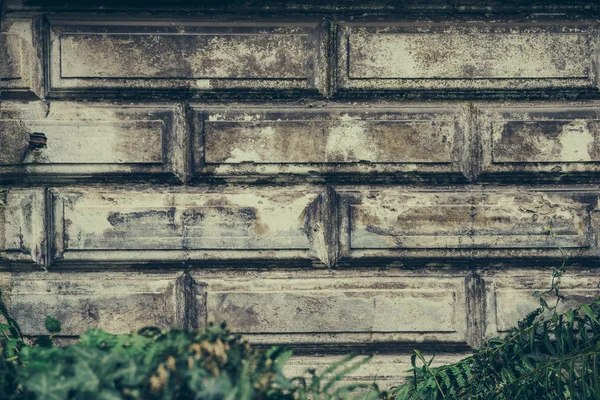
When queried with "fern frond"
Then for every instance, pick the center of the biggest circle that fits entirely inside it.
(548, 356)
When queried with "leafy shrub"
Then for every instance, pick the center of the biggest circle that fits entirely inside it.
(547, 356)
(159, 364)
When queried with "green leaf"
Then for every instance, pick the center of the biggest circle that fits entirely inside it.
(52, 325)
(413, 360)
(284, 358)
(44, 341)
(570, 315)
(531, 338)
(15, 330)
(587, 310)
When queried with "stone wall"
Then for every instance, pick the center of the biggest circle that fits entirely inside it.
(378, 176)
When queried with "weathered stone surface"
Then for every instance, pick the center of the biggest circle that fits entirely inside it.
(394, 223)
(199, 56)
(92, 140)
(22, 226)
(224, 56)
(431, 56)
(5, 284)
(10, 54)
(329, 141)
(509, 294)
(115, 302)
(314, 308)
(291, 170)
(20, 73)
(332, 6)
(545, 140)
(386, 370)
(136, 226)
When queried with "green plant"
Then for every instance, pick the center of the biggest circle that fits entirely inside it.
(547, 356)
(159, 364)
(326, 385)
(154, 364)
(553, 357)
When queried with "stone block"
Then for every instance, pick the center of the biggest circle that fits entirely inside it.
(434, 56)
(186, 57)
(23, 227)
(91, 141)
(314, 308)
(551, 141)
(187, 225)
(387, 370)
(404, 225)
(332, 141)
(115, 302)
(509, 294)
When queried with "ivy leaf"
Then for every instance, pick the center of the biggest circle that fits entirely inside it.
(5, 327)
(53, 325)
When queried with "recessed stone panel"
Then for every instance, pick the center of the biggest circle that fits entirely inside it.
(313, 308)
(509, 295)
(329, 141)
(548, 141)
(22, 226)
(193, 56)
(465, 56)
(117, 303)
(324, 310)
(136, 226)
(387, 370)
(429, 224)
(82, 140)
(213, 56)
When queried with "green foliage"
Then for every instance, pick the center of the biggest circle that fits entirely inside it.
(160, 364)
(11, 325)
(326, 384)
(547, 356)
(154, 364)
